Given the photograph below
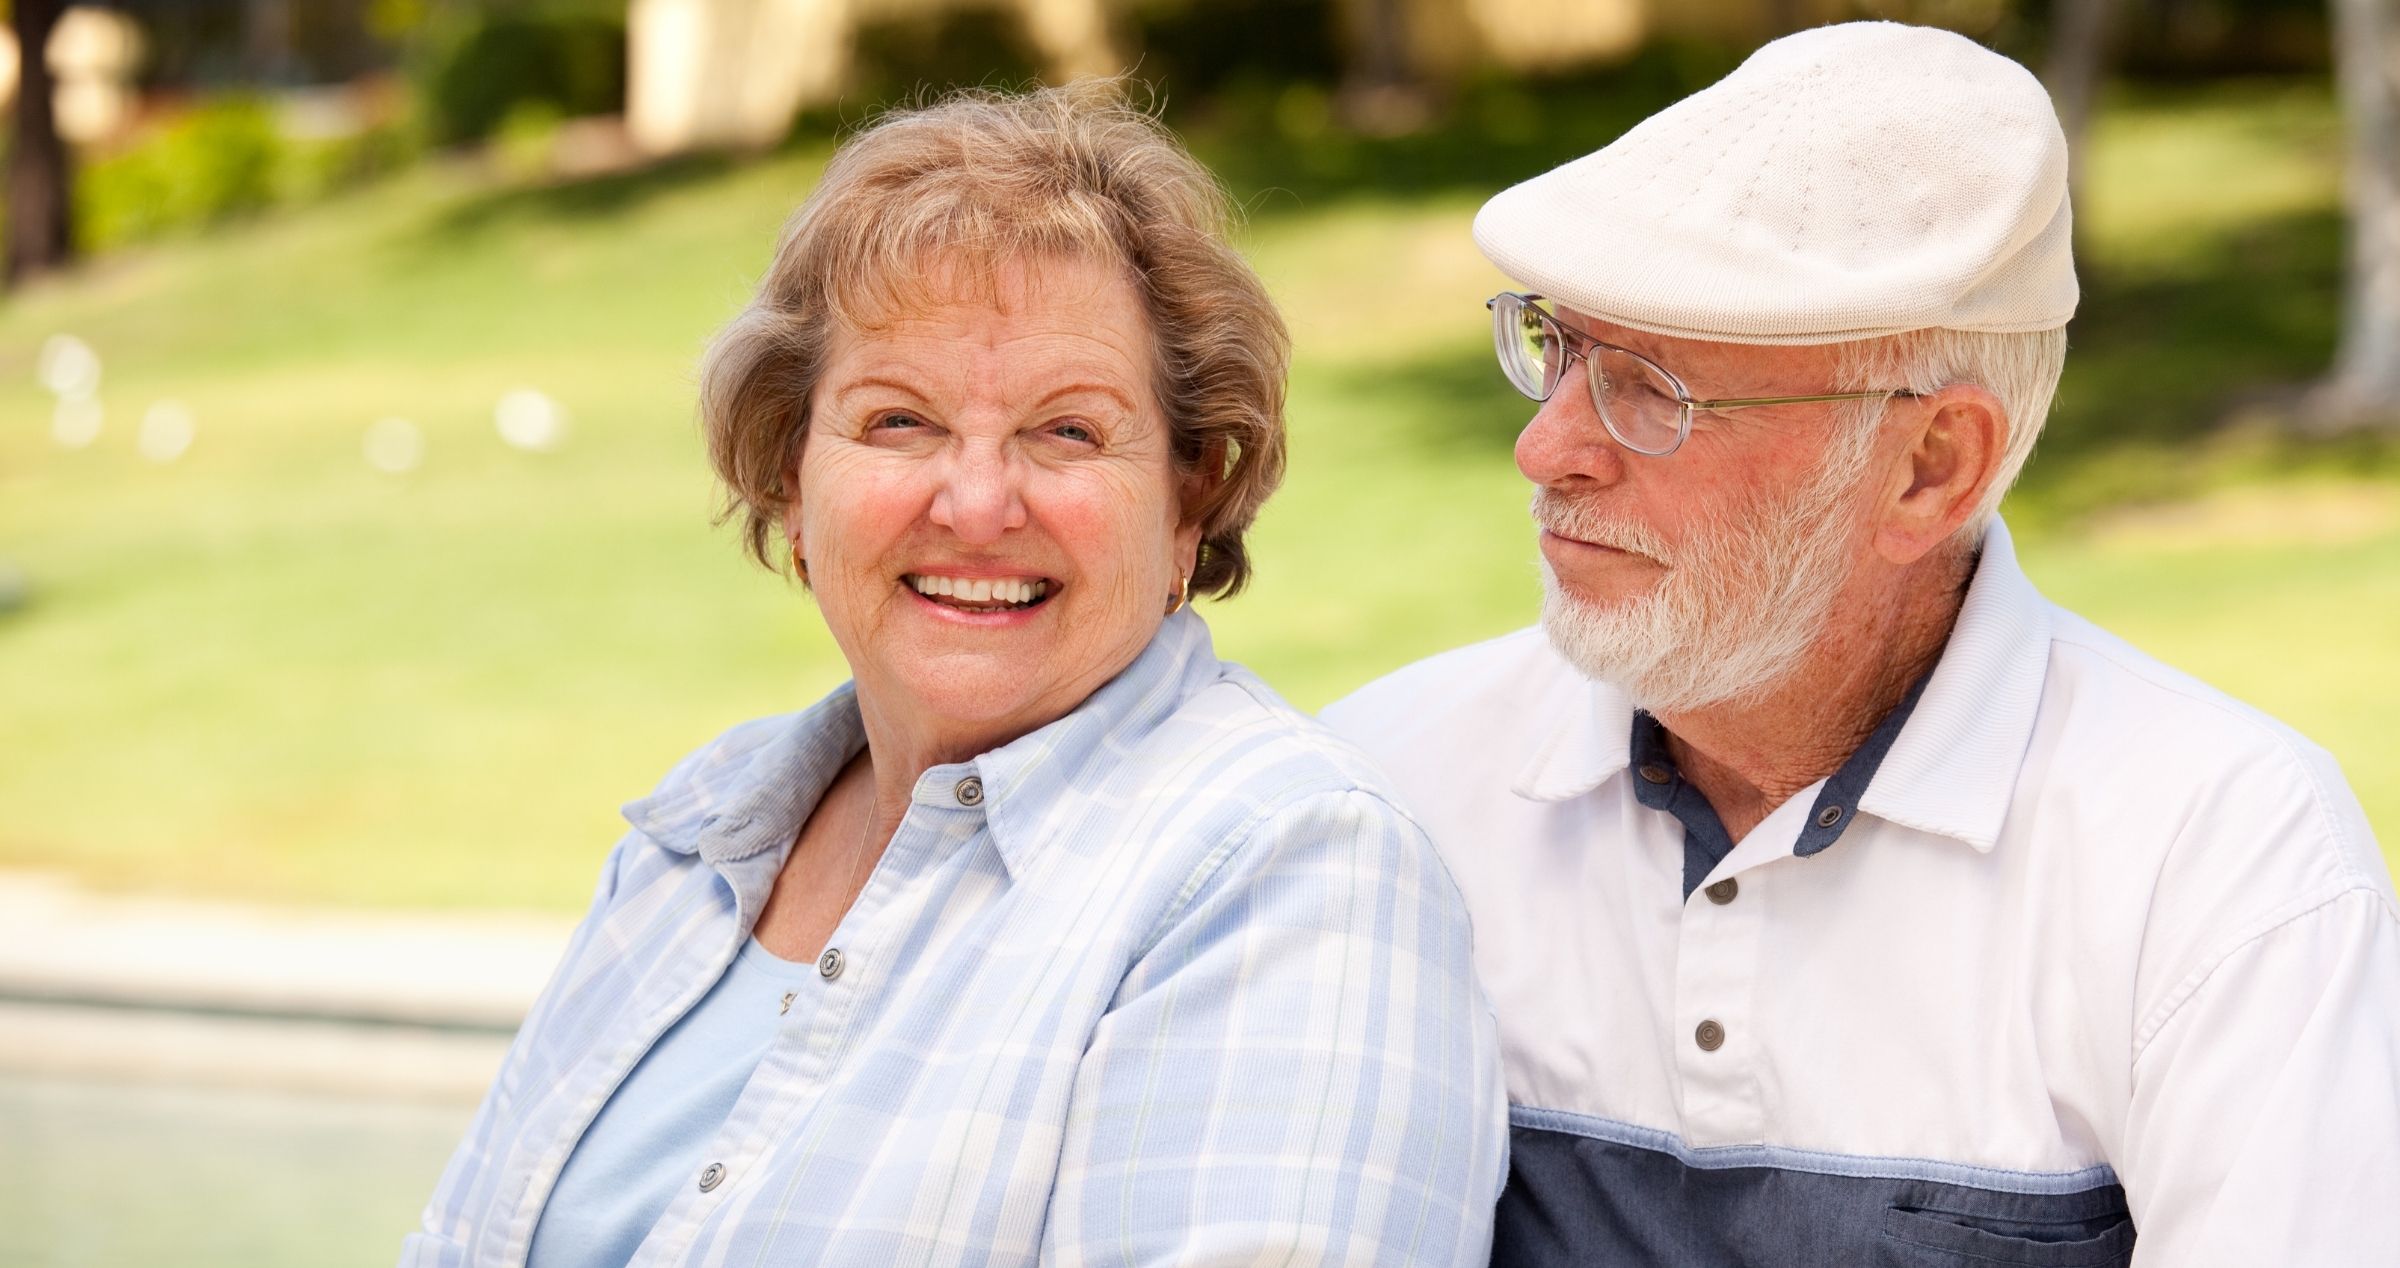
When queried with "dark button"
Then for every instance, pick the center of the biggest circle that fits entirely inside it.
(711, 1176)
(970, 791)
(1829, 816)
(1709, 1035)
(829, 965)
(1723, 891)
(1657, 774)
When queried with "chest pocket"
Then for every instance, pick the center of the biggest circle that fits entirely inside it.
(1946, 1226)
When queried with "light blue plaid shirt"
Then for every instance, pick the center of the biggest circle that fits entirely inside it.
(1168, 981)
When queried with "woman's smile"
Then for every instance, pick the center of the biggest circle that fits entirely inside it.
(967, 594)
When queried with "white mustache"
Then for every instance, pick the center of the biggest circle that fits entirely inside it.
(1587, 523)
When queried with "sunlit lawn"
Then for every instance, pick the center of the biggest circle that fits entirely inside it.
(269, 670)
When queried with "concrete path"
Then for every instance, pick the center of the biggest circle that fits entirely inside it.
(174, 990)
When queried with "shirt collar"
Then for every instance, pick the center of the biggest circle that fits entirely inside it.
(752, 788)
(1953, 769)
(1025, 780)
(1952, 766)
(1586, 740)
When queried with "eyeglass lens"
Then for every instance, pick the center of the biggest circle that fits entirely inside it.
(1635, 401)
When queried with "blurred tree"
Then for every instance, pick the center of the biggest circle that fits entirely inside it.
(2365, 385)
(1382, 91)
(2078, 57)
(40, 236)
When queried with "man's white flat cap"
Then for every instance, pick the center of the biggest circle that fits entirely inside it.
(1846, 182)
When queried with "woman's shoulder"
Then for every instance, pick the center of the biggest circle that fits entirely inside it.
(727, 773)
(1251, 723)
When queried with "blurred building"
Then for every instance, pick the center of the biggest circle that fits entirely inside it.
(94, 55)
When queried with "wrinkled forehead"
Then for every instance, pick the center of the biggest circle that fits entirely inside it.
(889, 288)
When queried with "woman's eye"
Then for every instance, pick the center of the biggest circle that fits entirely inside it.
(895, 421)
(1077, 432)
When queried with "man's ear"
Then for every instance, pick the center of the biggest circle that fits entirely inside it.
(1958, 440)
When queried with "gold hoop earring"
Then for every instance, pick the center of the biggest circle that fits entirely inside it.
(1183, 593)
(800, 563)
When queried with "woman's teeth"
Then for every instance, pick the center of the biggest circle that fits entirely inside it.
(998, 592)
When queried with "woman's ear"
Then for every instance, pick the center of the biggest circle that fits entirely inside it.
(1198, 494)
(795, 539)
(1200, 484)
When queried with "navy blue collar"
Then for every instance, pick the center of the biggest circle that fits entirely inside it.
(1660, 786)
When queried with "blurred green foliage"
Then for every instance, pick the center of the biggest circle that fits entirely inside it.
(226, 157)
(897, 56)
(477, 64)
(1198, 50)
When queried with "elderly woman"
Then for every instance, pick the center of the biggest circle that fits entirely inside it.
(1051, 937)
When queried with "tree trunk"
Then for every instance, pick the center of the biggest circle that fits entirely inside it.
(39, 180)
(2365, 385)
(2079, 38)
(1382, 92)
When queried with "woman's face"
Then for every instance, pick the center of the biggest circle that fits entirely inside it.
(988, 506)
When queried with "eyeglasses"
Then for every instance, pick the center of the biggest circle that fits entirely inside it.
(1643, 405)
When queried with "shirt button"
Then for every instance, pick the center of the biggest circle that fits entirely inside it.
(1657, 774)
(1829, 816)
(1709, 1035)
(711, 1176)
(829, 965)
(1723, 891)
(970, 791)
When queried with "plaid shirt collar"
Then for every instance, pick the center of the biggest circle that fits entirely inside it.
(729, 811)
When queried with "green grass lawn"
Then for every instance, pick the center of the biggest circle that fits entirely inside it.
(269, 670)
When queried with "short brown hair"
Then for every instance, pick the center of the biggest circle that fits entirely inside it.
(979, 180)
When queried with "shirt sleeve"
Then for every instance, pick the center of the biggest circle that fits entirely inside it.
(2265, 1116)
(446, 1226)
(1300, 1070)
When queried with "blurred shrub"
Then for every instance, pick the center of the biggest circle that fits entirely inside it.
(1194, 50)
(523, 142)
(904, 56)
(224, 158)
(214, 162)
(483, 63)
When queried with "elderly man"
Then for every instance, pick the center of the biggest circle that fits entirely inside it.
(1843, 901)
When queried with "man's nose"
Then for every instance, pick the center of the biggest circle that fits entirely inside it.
(981, 496)
(1565, 445)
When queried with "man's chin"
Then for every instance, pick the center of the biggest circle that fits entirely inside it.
(1604, 640)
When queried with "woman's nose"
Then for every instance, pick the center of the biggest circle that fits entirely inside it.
(1565, 445)
(980, 498)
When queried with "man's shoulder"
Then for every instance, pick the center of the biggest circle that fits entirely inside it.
(2239, 806)
(2166, 726)
(1431, 697)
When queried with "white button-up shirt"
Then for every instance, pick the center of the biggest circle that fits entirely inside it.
(2094, 942)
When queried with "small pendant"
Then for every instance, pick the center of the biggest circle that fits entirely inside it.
(788, 996)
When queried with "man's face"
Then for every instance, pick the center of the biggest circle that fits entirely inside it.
(1703, 576)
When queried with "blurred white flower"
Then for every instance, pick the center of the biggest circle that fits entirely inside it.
(68, 367)
(166, 431)
(75, 423)
(529, 419)
(395, 445)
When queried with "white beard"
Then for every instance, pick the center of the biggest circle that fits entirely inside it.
(1742, 600)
